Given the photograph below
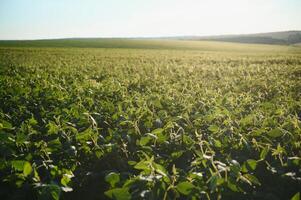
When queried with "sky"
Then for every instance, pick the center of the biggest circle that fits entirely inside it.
(42, 19)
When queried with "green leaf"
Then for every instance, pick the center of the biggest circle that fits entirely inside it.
(157, 131)
(33, 121)
(18, 165)
(50, 192)
(213, 182)
(275, 133)
(84, 136)
(296, 196)
(55, 144)
(131, 162)
(252, 164)
(252, 179)
(185, 187)
(248, 120)
(213, 128)
(187, 140)
(21, 138)
(5, 125)
(160, 169)
(232, 186)
(118, 194)
(27, 169)
(217, 143)
(258, 132)
(177, 154)
(19, 183)
(264, 153)
(235, 167)
(65, 180)
(244, 168)
(36, 176)
(145, 140)
(112, 178)
(52, 128)
(142, 165)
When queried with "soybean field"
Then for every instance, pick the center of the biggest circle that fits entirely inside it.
(149, 119)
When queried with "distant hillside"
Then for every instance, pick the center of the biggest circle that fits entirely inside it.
(283, 38)
(182, 42)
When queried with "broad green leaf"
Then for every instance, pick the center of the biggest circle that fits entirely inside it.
(27, 169)
(145, 140)
(118, 194)
(112, 178)
(213, 128)
(161, 137)
(251, 164)
(232, 186)
(235, 166)
(264, 153)
(160, 169)
(143, 165)
(157, 131)
(217, 143)
(244, 168)
(65, 180)
(275, 133)
(185, 187)
(296, 196)
(18, 164)
(258, 132)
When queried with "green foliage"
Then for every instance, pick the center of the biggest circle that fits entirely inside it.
(185, 188)
(251, 164)
(275, 133)
(150, 124)
(49, 192)
(296, 196)
(118, 194)
(112, 178)
(27, 169)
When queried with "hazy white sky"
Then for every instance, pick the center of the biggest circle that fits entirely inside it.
(34, 19)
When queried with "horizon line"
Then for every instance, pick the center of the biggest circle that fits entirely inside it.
(150, 37)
